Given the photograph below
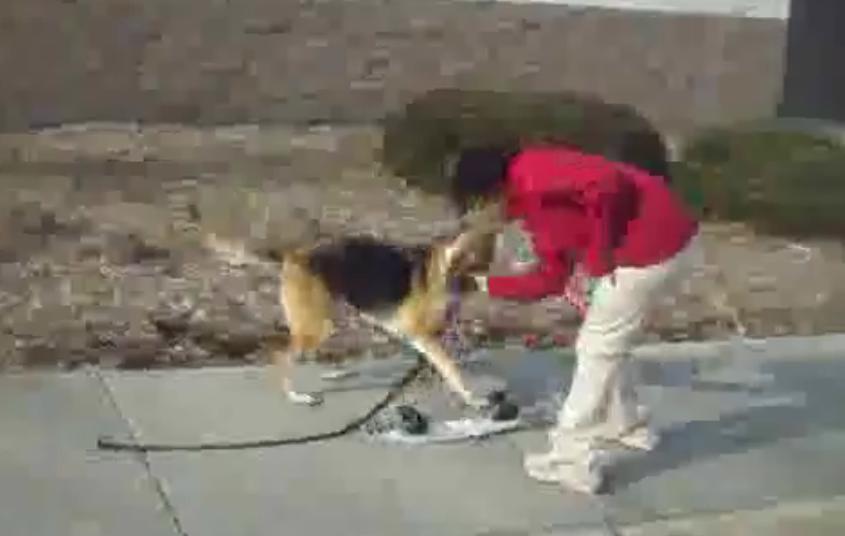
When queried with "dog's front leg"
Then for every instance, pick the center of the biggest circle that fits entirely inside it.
(448, 369)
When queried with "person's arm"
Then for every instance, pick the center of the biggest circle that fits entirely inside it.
(592, 183)
(547, 278)
(608, 200)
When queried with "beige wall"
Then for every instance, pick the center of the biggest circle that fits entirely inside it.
(213, 61)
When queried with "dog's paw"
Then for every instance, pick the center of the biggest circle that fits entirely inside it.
(305, 399)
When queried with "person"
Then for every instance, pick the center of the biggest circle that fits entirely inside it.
(626, 239)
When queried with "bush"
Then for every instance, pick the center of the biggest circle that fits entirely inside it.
(420, 139)
(779, 182)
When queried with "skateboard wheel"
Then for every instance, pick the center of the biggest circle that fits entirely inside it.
(502, 408)
(411, 420)
(497, 397)
(505, 411)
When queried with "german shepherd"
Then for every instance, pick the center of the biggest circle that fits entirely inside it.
(403, 290)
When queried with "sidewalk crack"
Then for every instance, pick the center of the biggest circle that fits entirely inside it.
(157, 483)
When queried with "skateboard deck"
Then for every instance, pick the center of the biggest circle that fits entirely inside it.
(407, 425)
(448, 431)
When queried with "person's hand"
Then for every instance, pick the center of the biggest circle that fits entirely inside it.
(480, 283)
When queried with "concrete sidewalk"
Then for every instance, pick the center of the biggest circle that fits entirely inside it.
(753, 444)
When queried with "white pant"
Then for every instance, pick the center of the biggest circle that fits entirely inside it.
(602, 402)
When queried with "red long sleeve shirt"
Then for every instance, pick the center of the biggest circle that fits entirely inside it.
(584, 208)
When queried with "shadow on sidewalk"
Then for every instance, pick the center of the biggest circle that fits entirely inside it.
(809, 398)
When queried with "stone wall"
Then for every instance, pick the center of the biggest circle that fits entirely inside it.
(216, 61)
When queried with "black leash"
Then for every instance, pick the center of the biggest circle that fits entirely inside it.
(395, 390)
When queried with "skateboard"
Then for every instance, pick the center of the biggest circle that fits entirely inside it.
(405, 424)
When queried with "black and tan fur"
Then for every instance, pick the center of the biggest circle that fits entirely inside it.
(404, 290)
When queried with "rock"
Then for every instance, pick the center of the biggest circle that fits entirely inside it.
(139, 352)
(171, 326)
(40, 353)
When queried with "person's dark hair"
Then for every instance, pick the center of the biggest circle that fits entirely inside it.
(479, 174)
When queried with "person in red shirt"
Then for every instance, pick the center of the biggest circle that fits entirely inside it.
(610, 238)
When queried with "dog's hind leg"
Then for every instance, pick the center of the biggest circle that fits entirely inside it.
(307, 306)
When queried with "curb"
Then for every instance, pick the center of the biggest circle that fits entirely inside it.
(829, 345)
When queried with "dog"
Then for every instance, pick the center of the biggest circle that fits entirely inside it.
(404, 290)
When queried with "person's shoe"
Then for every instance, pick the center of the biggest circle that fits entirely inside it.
(642, 438)
(585, 476)
(540, 461)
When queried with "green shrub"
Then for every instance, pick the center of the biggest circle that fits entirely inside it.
(780, 182)
(420, 139)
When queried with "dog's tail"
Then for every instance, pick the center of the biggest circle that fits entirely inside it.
(239, 253)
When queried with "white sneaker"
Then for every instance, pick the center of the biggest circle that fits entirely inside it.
(640, 438)
(540, 461)
(585, 476)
